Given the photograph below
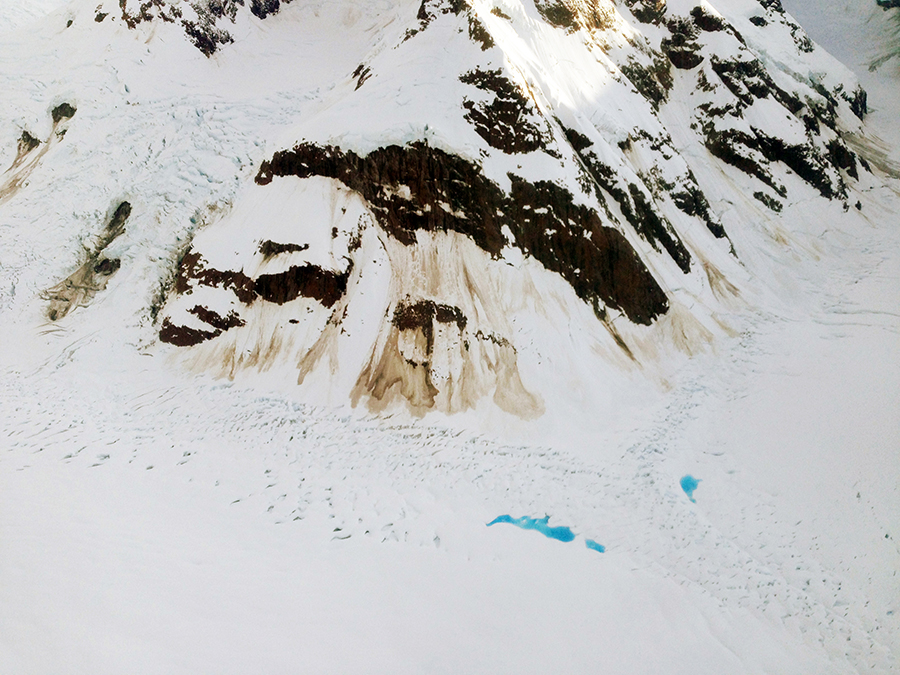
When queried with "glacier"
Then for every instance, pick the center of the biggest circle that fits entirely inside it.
(296, 296)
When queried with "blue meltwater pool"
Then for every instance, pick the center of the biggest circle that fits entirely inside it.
(689, 484)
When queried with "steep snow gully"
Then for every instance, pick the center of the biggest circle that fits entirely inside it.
(316, 315)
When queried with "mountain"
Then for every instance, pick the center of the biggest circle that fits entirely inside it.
(379, 273)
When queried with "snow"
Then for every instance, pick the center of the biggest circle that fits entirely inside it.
(154, 519)
(15, 14)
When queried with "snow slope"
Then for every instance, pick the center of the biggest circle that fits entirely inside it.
(14, 14)
(158, 516)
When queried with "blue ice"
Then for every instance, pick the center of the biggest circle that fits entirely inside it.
(540, 524)
(689, 484)
(594, 546)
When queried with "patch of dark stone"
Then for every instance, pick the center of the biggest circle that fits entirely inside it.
(206, 37)
(729, 146)
(771, 202)
(263, 8)
(148, 10)
(63, 111)
(748, 80)
(706, 21)
(503, 122)
(693, 202)
(773, 5)
(184, 336)
(422, 315)
(843, 158)
(270, 249)
(858, 100)
(204, 33)
(216, 320)
(801, 39)
(193, 268)
(647, 11)
(653, 83)
(634, 204)
(682, 47)
(362, 73)
(479, 33)
(308, 281)
(115, 227)
(759, 21)
(429, 10)
(449, 193)
(557, 13)
(804, 160)
(100, 16)
(888, 4)
(107, 266)
(27, 143)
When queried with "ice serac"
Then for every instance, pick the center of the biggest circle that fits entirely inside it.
(483, 151)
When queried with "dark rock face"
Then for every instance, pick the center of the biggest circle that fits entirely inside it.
(748, 80)
(706, 21)
(681, 47)
(308, 281)
(654, 82)
(647, 11)
(204, 31)
(270, 249)
(416, 187)
(507, 122)
(556, 13)
(184, 336)
(263, 8)
(859, 101)
(134, 13)
(635, 206)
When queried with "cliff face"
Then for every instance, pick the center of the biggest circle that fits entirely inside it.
(453, 171)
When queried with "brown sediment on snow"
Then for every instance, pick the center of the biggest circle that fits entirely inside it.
(27, 159)
(473, 365)
(419, 188)
(80, 287)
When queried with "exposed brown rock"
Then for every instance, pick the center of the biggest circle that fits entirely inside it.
(416, 187)
(182, 336)
(507, 122)
(270, 249)
(308, 281)
(216, 320)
